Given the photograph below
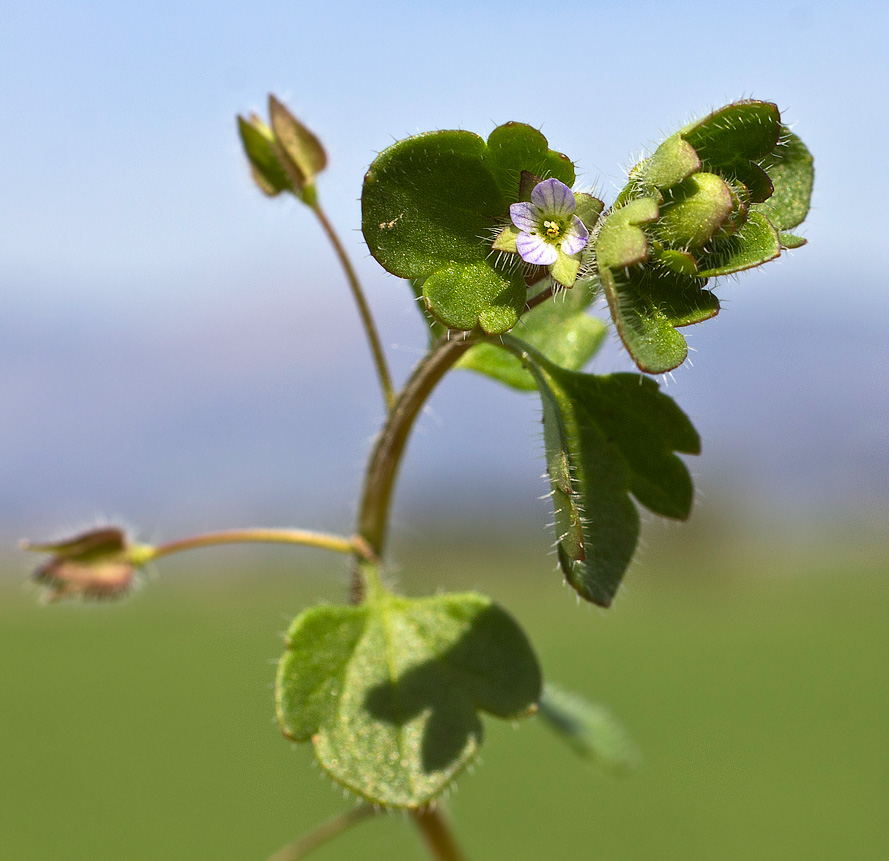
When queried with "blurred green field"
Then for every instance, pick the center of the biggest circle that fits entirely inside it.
(754, 680)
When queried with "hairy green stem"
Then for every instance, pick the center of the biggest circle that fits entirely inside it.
(373, 518)
(354, 546)
(324, 832)
(385, 458)
(363, 308)
(437, 834)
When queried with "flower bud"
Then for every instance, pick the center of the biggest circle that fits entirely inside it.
(265, 165)
(697, 209)
(283, 157)
(300, 152)
(97, 564)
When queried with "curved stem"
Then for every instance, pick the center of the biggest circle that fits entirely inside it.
(355, 545)
(363, 308)
(385, 458)
(373, 518)
(324, 832)
(542, 296)
(437, 834)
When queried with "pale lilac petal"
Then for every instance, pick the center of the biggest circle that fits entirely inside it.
(534, 249)
(576, 237)
(554, 198)
(525, 216)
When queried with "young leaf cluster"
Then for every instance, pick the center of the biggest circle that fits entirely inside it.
(715, 198)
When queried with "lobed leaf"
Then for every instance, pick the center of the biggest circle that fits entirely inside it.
(426, 201)
(477, 294)
(606, 438)
(647, 304)
(431, 208)
(389, 692)
(722, 192)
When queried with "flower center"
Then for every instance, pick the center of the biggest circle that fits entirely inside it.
(553, 229)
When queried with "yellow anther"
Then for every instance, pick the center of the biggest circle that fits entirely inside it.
(552, 228)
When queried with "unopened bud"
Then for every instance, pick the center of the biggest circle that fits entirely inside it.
(100, 563)
(284, 156)
(694, 210)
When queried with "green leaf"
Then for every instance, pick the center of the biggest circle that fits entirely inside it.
(678, 261)
(389, 692)
(755, 243)
(434, 327)
(788, 240)
(746, 130)
(590, 730)
(587, 208)
(790, 167)
(427, 200)
(558, 328)
(471, 294)
(673, 161)
(606, 438)
(432, 206)
(514, 147)
(621, 242)
(647, 304)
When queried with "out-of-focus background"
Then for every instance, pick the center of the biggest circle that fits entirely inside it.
(180, 353)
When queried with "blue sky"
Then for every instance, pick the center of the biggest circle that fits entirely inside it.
(165, 329)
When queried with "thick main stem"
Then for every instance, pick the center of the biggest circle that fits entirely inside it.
(385, 458)
(363, 308)
(373, 518)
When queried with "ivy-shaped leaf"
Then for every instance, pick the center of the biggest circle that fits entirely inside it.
(558, 328)
(430, 208)
(389, 692)
(606, 438)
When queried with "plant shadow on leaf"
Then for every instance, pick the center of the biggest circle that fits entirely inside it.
(490, 668)
(388, 691)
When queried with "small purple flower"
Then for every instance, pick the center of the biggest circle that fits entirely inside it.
(548, 224)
